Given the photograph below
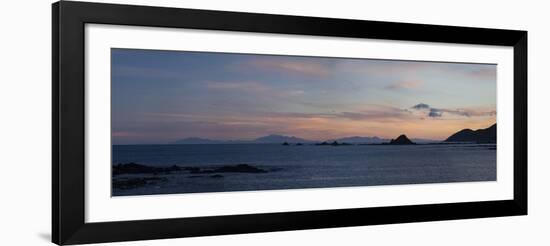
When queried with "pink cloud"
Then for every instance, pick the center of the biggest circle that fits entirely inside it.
(253, 87)
(246, 86)
(296, 67)
(404, 85)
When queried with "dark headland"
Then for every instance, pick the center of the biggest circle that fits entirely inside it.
(487, 135)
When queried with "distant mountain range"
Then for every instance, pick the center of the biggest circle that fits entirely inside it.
(487, 135)
(274, 138)
(196, 141)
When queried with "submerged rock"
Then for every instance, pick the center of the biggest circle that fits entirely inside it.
(134, 168)
(195, 176)
(131, 183)
(240, 168)
(334, 143)
(192, 169)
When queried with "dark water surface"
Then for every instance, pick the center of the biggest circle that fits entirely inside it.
(306, 166)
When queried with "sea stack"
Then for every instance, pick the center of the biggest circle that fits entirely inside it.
(401, 140)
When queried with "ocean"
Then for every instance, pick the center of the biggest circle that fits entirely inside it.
(299, 167)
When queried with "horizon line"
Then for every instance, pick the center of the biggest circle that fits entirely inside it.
(290, 136)
(294, 136)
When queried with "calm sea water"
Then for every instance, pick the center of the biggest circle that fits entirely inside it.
(308, 166)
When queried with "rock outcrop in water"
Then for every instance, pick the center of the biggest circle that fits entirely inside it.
(143, 175)
(241, 168)
(194, 140)
(134, 168)
(131, 183)
(362, 140)
(487, 135)
(401, 140)
(274, 138)
(334, 143)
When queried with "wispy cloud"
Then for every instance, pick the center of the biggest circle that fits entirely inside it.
(255, 89)
(382, 66)
(438, 112)
(244, 86)
(421, 106)
(367, 112)
(376, 112)
(404, 85)
(146, 73)
(249, 125)
(307, 68)
(363, 113)
(366, 120)
(435, 113)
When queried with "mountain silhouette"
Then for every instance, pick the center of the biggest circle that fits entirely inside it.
(279, 139)
(401, 140)
(273, 138)
(196, 141)
(487, 135)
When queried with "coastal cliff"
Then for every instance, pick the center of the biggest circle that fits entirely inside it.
(487, 135)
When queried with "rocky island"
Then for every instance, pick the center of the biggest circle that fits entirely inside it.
(401, 140)
(334, 143)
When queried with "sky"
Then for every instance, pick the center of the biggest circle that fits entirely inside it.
(164, 96)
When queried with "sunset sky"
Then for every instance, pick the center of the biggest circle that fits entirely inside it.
(163, 96)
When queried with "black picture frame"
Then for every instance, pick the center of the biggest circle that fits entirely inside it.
(68, 172)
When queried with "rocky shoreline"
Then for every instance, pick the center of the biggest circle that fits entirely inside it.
(131, 169)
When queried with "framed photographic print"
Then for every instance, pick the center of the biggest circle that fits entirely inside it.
(176, 122)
